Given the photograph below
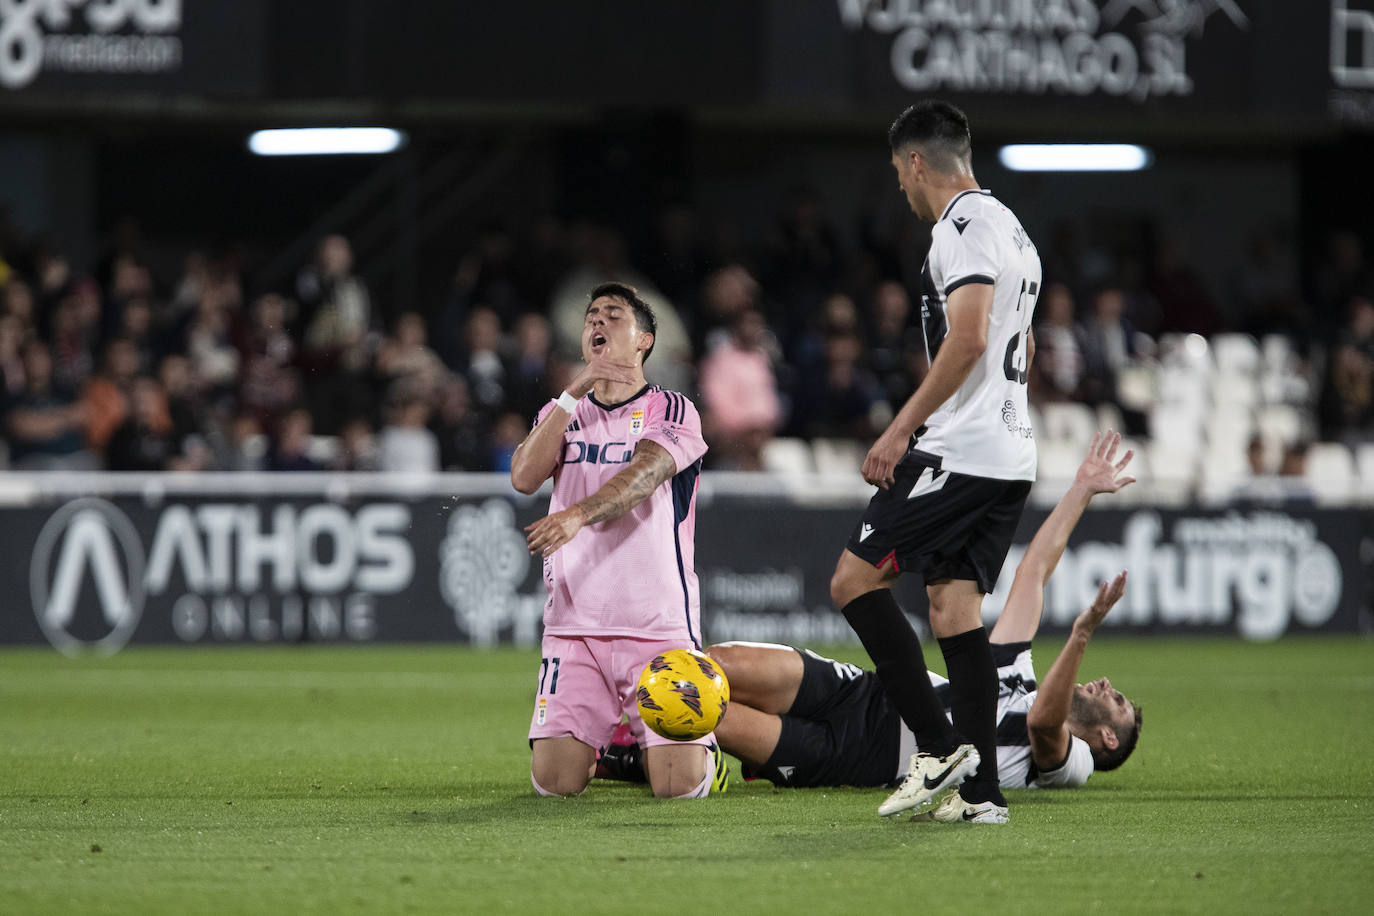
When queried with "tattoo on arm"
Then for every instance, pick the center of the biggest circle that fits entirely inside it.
(650, 467)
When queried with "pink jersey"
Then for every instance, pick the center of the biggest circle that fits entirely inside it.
(634, 575)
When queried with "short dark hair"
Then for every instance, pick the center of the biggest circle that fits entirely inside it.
(1126, 739)
(644, 315)
(939, 129)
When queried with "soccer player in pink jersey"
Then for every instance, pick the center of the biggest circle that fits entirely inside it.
(618, 547)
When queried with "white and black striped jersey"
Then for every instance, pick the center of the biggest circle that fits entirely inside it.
(984, 429)
(1016, 695)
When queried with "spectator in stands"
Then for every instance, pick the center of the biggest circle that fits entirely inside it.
(108, 392)
(17, 304)
(245, 448)
(848, 402)
(406, 445)
(896, 350)
(45, 423)
(357, 447)
(75, 334)
(210, 346)
(509, 432)
(291, 448)
(270, 382)
(529, 369)
(483, 363)
(136, 326)
(406, 354)
(1348, 397)
(739, 390)
(337, 344)
(11, 362)
(1109, 344)
(1342, 274)
(725, 293)
(461, 434)
(145, 441)
(190, 426)
(1057, 370)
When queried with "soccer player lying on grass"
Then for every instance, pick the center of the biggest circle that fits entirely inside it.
(797, 719)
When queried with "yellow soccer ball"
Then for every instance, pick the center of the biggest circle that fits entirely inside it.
(682, 694)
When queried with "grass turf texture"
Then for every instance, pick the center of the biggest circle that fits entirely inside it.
(395, 780)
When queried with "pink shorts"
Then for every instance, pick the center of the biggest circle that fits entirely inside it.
(586, 682)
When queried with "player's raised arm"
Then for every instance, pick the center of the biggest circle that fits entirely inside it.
(969, 313)
(535, 459)
(1100, 472)
(1047, 721)
(650, 467)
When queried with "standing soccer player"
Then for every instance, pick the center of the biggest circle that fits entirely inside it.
(625, 457)
(954, 467)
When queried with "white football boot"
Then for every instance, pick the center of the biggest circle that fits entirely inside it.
(954, 810)
(930, 776)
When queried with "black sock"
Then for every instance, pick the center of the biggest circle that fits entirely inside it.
(896, 651)
(973, 695)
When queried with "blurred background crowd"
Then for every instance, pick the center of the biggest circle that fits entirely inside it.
(796, 345)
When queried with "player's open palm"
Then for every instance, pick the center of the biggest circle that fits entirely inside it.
(1100, 471)
(1108, 594)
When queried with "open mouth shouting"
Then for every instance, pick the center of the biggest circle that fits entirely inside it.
(598, 343)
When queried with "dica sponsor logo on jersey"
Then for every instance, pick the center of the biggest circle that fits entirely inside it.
(87, 36)
(1260, 572)
(311, 571)
(483, 561)
(1135, 49)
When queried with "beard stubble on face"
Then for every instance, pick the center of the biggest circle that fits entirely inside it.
(1088, 712)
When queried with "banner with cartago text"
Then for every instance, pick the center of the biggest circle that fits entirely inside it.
(95, 568)
(155, 46)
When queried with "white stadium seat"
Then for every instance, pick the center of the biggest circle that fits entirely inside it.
(1364, 462)
(1230, 388)
(1279, 424)
(1069, 423)
(1236, 353)
(1331, 472)
(838, 456)
(788, 456)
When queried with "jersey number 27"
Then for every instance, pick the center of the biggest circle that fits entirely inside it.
(1015, 364)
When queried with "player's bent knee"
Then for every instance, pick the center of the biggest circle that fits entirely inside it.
(553, 784)
(674, 775)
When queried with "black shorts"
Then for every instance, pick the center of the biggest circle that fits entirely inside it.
(954, 527)
(840, 731)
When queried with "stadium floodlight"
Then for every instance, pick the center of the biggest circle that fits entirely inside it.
(1075, 157)
(325, 141)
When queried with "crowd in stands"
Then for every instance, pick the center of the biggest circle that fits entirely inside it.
(798, 337)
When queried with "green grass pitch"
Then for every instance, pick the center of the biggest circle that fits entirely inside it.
(395, 779)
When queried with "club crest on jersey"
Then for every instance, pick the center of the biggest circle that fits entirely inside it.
(636, 422)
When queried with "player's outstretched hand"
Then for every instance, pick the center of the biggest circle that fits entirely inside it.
(881, 462)
(1098, 472)
(1108, 594)
(601, 370)
(553, 531)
